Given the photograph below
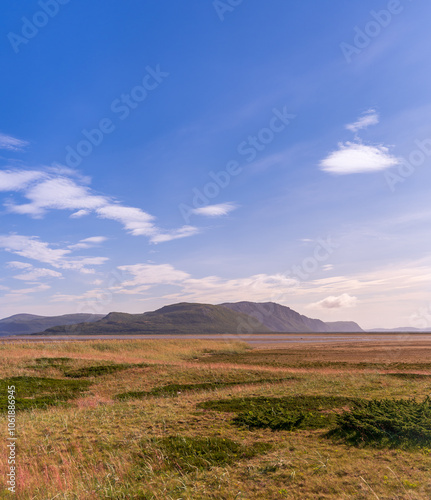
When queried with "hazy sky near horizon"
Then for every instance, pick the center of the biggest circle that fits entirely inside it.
(213, 151)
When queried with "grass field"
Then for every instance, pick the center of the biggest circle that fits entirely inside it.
(183, 419)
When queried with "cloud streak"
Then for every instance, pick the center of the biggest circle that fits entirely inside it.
(10, 143)
(50, 190)
(368, 118)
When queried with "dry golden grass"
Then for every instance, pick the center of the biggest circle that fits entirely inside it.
(92, 449)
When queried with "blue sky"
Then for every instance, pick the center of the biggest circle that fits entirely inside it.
(157, 152)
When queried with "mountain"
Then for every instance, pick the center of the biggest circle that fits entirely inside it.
(31, 323)
(280, 318)
(343, 327)
(175, 319)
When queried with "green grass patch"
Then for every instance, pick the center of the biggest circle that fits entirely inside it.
(36, 392)
(46, 363)
(99, 370)
(187, 454)
(387, 422)
(176, 389)
(409, 376)
(284, 358)
(285, 413)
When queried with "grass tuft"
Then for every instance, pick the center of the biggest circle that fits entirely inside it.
(177, 389)
(187, 454)
(35, 392)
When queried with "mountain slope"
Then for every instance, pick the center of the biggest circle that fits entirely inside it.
(31, 323)
(175, 319)
(280, 318)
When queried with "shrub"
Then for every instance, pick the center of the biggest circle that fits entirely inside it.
(286, 413)
(386, 422)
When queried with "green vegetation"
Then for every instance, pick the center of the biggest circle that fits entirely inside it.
(45, 363)
(285, 413)
(186, 454)
(98, 370)
(409, 376)
(387, 422)
(176, 389)
(35, 392)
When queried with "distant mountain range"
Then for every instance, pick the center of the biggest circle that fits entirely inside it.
(177, 319)
(22, 324)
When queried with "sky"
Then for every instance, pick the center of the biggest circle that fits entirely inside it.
(216, 151)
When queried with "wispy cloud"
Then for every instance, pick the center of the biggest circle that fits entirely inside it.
(88, 242)
(10, 143)
(37, 273)
(139, 278)
(215, 210)
(341, 302)
(50, 190)
(33, 248)
(354, 158)
(368, 118)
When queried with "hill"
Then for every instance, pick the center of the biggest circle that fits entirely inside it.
(22, 324)
(175, 319)
(280, 318)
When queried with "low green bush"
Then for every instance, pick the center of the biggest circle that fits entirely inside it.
(285, 413)
(387, 422)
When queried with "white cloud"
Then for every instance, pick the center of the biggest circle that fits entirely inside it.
(12, 143)
(206, 289)
(368, 118)
(353, 158)
(340, 302)
(182, 232)
(54, 190)
(327, 267)
(88, 242)
(215, 210)
(79, 213)
(58, 193)
(16, 180)
(37, 273)
(24, 291)
(135, 220)
(18, 265)
(32, 248)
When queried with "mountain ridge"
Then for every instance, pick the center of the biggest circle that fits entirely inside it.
(283, 319)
